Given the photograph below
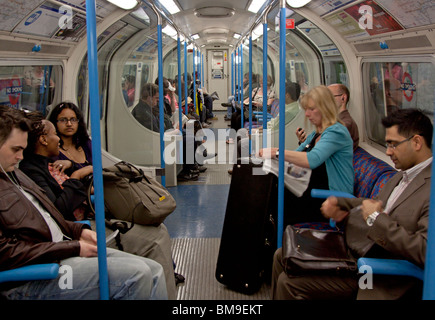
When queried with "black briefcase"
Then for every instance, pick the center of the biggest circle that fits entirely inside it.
(248, 236)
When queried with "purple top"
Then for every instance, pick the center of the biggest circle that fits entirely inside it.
(87, 148)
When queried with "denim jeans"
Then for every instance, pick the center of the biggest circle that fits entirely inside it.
(131, 277)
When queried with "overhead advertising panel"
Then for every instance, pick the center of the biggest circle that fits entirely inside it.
(411, 13)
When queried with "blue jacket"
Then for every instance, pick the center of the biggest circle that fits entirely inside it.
(335, 149)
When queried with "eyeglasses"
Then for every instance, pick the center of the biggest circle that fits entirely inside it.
(66, 120)
(395, 145)
(338, 95)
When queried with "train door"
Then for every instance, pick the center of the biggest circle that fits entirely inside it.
(217, 74)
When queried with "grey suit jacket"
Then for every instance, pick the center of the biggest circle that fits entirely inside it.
(400, 235)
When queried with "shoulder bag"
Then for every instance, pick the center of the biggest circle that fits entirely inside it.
(315, 251)
(130, 195)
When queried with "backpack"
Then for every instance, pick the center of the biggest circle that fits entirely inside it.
(130, 195)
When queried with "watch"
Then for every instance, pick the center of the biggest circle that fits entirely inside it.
(277, 153)
(371, 218)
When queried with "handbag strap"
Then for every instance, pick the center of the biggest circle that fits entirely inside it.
(120, 225)
(312, 143)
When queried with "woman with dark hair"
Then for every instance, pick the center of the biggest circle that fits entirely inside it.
(67, 193)
(75, 144)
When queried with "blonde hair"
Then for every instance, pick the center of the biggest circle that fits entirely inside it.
(324, 102)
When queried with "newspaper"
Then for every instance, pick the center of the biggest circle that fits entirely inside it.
(112, 236)
(296, 179)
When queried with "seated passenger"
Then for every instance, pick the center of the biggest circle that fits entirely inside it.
(129, 89)
(341, 95)
(257, 102)
(68, 194)
(143, 111)
(33, 231)
(148, 241)
(394, 225)
(75, 144)
(147, 110)
(292, 92)
(327, 151)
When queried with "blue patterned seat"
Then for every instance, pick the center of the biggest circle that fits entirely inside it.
(371, 174)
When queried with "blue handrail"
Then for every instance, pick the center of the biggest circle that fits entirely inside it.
(96, 147)
(47, 271)
(161, 112)
(282, 44)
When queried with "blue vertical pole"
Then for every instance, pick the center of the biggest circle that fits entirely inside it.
(186, 84)
(429, 267)
(161, 112)
(282, 44)
(250, 90)
(264, 84)
(96, 147)
(200, 67)
(232, 74)
(236, 76)
(194, 80)
(180, 110)
(202, 71)
(241, 83)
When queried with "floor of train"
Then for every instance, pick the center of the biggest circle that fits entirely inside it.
(195, 228)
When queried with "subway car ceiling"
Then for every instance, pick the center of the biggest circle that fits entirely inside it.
(322, 32)
(31, 28)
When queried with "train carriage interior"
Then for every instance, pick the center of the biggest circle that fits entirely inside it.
(382, 50)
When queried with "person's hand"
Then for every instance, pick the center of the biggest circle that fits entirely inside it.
(331, 210)
(62, 165)
(302, 136)
(268, 153)
(369, 206)
(88, 243)
(87, 250)
(89, 236)
(82, 172)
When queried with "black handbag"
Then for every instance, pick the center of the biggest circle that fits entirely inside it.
(307, 251)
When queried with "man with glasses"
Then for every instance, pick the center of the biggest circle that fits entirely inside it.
(392, 226)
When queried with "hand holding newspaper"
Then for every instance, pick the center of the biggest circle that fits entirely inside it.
(296, 178)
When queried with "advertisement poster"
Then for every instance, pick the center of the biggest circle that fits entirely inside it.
(411, 13)
(382, 21)
(44, 21)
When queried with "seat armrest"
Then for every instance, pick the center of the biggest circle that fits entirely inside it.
(87, 222)
(323, 194)
(46, 271)
(392, 267)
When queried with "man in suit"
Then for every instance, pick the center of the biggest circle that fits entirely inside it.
(393, 225)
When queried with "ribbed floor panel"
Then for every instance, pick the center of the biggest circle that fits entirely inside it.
(195, 259)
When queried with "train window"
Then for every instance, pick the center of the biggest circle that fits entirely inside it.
(396, 85)
(29, 87)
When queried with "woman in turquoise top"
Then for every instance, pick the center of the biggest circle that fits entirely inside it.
(328, 151)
